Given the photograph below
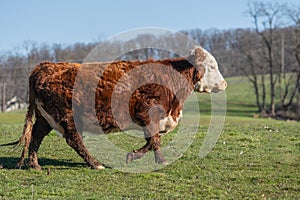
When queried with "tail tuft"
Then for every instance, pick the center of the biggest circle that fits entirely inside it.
(26, 135)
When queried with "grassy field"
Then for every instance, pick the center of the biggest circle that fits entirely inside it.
(253, 159)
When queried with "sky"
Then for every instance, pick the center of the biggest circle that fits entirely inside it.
(71, 21)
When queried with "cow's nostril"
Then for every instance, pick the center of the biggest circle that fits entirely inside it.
(225, 83)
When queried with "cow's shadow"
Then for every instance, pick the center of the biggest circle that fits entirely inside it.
(11, 163)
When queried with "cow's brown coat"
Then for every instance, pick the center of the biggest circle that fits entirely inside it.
(51, 87)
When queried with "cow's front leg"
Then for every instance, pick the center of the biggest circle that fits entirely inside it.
(153, 143)
(151, 133)
(158, 156)
(137, 154)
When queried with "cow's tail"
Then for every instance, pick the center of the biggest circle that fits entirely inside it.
(27, 129)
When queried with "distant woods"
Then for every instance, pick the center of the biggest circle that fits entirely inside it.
(268, 54)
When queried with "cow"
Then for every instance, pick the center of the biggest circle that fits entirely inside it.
(155, 107)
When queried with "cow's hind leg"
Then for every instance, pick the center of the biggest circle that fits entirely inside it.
(74, 140)
(40, 129)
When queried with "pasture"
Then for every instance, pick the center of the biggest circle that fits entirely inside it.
(254, 158)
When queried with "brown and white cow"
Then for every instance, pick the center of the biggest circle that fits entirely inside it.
(52, 98)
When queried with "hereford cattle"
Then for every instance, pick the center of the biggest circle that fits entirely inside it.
(155, 106)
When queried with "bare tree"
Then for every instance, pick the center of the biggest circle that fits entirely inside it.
(294, 15)
(267, 18)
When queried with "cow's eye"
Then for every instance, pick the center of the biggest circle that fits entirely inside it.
(213, 67)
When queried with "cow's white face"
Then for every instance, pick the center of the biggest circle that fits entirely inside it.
(212, 80)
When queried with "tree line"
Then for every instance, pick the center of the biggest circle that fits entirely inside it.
(268, 54)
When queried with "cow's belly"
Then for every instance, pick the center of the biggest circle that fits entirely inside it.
(168, 124)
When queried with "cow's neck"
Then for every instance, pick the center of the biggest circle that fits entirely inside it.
(185, 68)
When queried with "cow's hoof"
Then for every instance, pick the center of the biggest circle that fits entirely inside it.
(162, 162)
(98, 167)
(19, 166)
(133, 156)
(129, 158)
(35, 166)
(159, 158)
(165, 162)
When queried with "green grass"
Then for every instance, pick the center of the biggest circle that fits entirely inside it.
(253, 159)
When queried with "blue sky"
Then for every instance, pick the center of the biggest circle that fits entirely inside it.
(70, 21)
